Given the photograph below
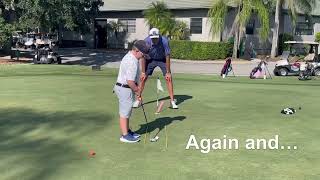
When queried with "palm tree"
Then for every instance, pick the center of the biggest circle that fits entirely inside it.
(294, 6)
(116, 28)
(245, 9)
(158, 15)
(180, 31)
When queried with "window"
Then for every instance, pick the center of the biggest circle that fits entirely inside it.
(304, 28)
(196, 26)
(128, 25)
(250, 27)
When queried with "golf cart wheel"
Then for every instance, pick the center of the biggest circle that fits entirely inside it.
(283, 72)
(49, 61)
(35, 61)
(317, 72)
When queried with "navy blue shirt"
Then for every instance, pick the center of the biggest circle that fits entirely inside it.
(159, 51)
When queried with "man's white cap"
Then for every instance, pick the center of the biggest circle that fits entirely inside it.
(154, 33)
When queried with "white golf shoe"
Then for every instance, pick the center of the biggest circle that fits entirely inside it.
(173, 105)
(136, 104)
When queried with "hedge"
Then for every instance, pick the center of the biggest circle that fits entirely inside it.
(194, 50)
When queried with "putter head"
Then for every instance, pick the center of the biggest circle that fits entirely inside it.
(155, 139)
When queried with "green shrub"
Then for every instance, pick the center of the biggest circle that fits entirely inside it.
(318, 37)
(283, 38)
(194, 50)
(5, 32)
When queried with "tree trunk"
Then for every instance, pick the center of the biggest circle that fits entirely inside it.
(235, 44)
(60, 30)
(274, 48)
(236, 37)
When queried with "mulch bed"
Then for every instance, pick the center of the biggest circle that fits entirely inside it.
(12, 61)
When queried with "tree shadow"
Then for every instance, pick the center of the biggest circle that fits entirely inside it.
(159, 124)
(36, 145)
(180, 99)
(90, 57)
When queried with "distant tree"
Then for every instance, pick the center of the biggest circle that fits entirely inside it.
(180, 31)
(5, 32)
(245, 10)
(294, 6)
(158, 15)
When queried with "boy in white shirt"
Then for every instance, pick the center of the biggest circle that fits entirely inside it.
(126, 88)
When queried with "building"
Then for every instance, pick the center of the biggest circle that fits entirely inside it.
(129, 14)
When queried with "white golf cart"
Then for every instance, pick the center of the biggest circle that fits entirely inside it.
(45, 50)
(284, 67)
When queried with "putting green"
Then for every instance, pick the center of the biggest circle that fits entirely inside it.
(61, 122)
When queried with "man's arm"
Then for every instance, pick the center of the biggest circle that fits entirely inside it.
(143, 69)
(168, 63)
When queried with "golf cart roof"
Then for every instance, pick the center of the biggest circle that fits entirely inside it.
(302, 42)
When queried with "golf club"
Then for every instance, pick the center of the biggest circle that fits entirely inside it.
(145, 117)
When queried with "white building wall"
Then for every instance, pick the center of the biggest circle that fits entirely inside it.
(206, 34)
(142, 30)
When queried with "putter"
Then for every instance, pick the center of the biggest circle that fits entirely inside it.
(145, 117)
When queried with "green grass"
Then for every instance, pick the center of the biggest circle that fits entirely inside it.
(52, 116)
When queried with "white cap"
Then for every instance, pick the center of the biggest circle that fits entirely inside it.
(154, 33)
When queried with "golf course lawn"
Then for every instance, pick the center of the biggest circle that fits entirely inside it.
(51, 116)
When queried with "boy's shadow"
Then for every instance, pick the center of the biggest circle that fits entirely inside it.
(180, 99)
(159, 123)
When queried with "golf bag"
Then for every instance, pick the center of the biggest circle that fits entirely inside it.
(305, 71)
(260, 71)
(227, 67)
(256, 72)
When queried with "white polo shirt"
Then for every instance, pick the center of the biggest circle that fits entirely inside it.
(129, 69)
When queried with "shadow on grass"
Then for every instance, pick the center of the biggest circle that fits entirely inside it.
(91, 57)
(36, 145)
(159, 124)
(180, 99)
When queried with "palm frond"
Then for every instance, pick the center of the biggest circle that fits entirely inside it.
(305, 6)
(158, 15)
(245, 13)
(217, 14)
(263, 15)
(292, 11)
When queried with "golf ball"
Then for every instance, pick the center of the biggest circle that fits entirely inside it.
(154, 139)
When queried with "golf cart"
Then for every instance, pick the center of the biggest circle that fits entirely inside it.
(284, 67)
(44, 53)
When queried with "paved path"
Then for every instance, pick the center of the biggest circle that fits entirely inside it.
(241, 68)
(111, 59)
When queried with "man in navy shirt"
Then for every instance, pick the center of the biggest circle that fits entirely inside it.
(159, 57)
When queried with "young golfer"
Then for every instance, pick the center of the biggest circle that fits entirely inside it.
(126, 88)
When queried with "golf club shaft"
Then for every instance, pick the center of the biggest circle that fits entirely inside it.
(145, 117)
(144, 113)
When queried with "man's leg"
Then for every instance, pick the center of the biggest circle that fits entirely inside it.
(148, 71)
(170, 88)
(169, 83)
